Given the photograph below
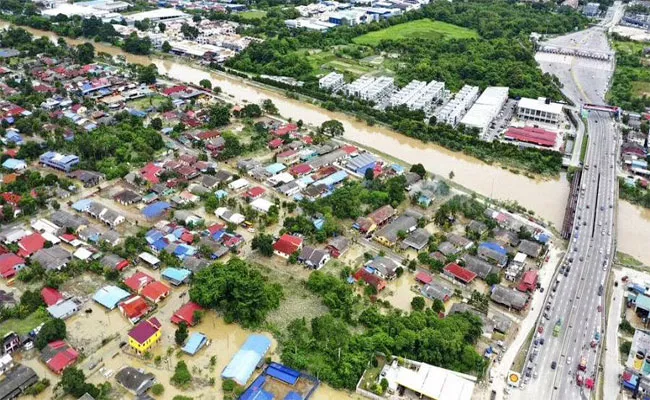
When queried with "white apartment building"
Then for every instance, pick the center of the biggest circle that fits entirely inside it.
(359, 86)
(432, 92)
(380, 89)
(541, 109)
(332, 81)
(407, 93)
(453, 111)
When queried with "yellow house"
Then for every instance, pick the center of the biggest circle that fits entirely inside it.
(144, 335)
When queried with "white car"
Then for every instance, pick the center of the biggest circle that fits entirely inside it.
(568, 360)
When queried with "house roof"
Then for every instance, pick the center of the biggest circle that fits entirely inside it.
(287, 244)
(138, 280)
(51, 296)
(155, 290)
(186, 313)
(58, 355)
(30, 244)
(509, 297)
(8, 263)
(423, 277)
(382, 214)
(109, 296)
(194, 343)
(135, 380)
(145, 330)
(135, 307)
(460, 273)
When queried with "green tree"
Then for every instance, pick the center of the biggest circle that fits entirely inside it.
(182, 376)
(205, 83)
(417, 304)
(157, 124)
(438, 306)
(418, 169)
(52, 330)
(148, 74)
(85, 53)
(238, 291)
(269, 107)
(157, 389)
(73, 382)
(332, 128)
(451, 174)
(493, 278)
(181, 334)
(219, 115)
(369, 174)
(162, 27)
(166, 47)
(263, 243)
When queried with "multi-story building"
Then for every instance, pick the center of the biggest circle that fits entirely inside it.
(541, 110)
(380, 89)
(433, 91)
(359, 86)
(332, 81)
(454, 110)
(407, 93)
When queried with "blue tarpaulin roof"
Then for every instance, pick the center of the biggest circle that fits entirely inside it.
(293, 396)
(194, 343)
(275, 168)
(160, 244)
(156, 209)
(153, 235)
(255, 391)
(282, 373)
(494, 247)
(243, 363)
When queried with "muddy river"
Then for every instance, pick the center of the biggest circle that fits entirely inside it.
(546, 197)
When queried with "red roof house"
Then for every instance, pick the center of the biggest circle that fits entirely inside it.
(287, 245)
(300, 170)
(58, 356)
(134, 308)
(10, 264)
(423, 277)
(528, 282)
(370, 278)
(150, 173)
(538, 136)
(155, 292)
(174, 89)
(255, 192)
(186, 314)
(275, 143)
(456, 271)
(30, 244)
(137, 281)
(285, 130)
(11, 198)
(51, 296)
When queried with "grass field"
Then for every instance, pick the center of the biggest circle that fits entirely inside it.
(629, 47)
(425, 29)
(640, 88)
(24, 326)
(325, 61)
(252, 14)
(145, 102)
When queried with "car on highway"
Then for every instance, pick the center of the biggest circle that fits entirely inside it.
(568, 360)
(553, 365)
(599, 308)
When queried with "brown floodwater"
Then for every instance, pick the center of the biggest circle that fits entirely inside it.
(547, 197)
(633, 231)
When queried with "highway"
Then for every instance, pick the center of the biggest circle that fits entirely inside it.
(578, 297)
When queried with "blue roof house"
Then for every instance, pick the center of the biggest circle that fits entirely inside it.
(81, 205)
(14, 164)
(109, 296)
(14, 137)
(276, 168)
(176, 276)
(195, 343)
(244, 362)
(63, 162)
(155, 210)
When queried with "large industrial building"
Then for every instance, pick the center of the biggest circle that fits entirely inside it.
(541, 110)
(332, 81)
(106, 10)
(157, 15)
(486, 108)
(453, 111)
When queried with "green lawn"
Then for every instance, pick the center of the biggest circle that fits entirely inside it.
(252, 14)
(324, 61)
(640, 88)
(425, 29)
(145, 102)
(24, 326)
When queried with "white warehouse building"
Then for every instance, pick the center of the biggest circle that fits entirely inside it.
(486, 108)
(540, 109)
(332, 81)
(453, 111)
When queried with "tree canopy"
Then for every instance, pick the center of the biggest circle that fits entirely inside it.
(236, 290)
